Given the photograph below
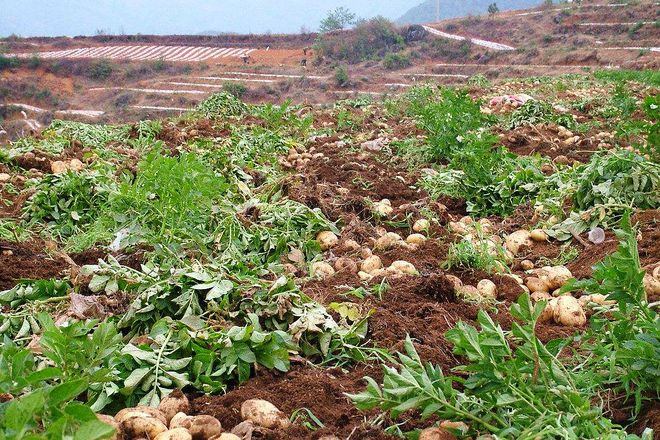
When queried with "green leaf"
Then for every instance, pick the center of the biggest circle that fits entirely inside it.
(94, 430)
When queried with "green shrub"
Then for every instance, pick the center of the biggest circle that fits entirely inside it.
(394, 61)
(100, 69)
(341, 76)
(8, 62)
(234, 88)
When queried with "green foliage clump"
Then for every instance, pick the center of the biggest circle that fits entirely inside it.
(235, 88)
(393, 61)
(341, 76)
(69, 201)
(100, 69)
(221, 105)
(447, 118)
(538, 112)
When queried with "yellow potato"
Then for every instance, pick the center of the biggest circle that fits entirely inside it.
(118, 435)
(175, 434)
(346, 264)
(487, 289)
(327, 240)
(139, 424)
(403, 267)
(416, 239)
(421, 225)
(321, 269)
(389, 240)
(569, 312)
(517, 240)
(264, 413)
(175, 403)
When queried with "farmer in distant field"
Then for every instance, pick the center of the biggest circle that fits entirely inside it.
(305, 49)
(303, 62)
(246, 58)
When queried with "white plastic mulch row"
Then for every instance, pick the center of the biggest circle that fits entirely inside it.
(31, 108)
(478, 42)
(266, 75)
(155, 91)
(618, 24)
(162, 109)
(139, 53)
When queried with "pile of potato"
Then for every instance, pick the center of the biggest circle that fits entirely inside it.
(59, 167)
(299, 158)
(170, 421)
(369, 266)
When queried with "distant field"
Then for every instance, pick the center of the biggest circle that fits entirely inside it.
(167, 53)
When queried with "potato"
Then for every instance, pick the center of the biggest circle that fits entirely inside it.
(264, 413)
(537, 285)
(351, 245)
(152, 412)
(226, 436)
(558, 276)
(174, 434)
(569, 312)
(467, 220)
(651, 285)
(327, 240)
(460, 426)
(383, 208)
(421, 225)
(364, 276)
(540, 296)
(204, 427)
(365, 252)
(179, 420)
(457, 228)
(346, 264)
(455, 281)
(548, 313)
(371, 264)
(656, 273)
(526, 265)
(58, 167)
(243, 429)
(538, 235)
(140, 424)
(403, 267)
(416, 239)
(175, 403)
(436, 434)
(469, 292)
(321, 269)
(76, 165)
(487, 289)
(517, 240)
(389, 240)
(118, 435)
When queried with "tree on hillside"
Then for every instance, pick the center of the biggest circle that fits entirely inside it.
(337, 20)
(493, 9)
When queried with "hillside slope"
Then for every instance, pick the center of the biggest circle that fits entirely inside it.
(425, 12)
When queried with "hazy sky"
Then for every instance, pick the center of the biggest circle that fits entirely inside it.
(85, 17)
